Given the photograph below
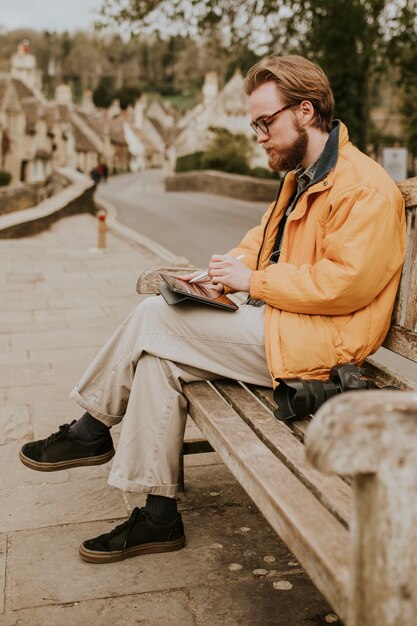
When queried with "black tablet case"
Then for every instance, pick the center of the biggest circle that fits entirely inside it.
(171, 297)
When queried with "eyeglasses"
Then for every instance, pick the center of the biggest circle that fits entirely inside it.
(262, 124)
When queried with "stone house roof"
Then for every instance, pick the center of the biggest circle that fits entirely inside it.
(64, 113)
(97, 121)
(23, 91)
(86, 139)
(117, 134)
(9, 99)
(33, 112)
(3, 89)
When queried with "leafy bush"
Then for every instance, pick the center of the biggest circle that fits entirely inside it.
(263, 172)
(189, 162)
(5, 178)
(227, 152)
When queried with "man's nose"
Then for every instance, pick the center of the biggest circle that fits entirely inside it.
(261, 136)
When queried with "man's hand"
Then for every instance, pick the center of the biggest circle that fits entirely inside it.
(212, 288)
(229, 272)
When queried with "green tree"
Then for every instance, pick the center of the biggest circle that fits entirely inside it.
(128, 95)
(349, 38)
(105, 92)
(402, 51)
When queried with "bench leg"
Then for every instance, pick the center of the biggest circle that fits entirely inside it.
(181, 472)
(197, 446)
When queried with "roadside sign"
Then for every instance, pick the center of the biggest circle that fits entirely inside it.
(394, 161)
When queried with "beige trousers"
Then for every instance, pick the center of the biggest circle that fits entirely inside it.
(139, 373)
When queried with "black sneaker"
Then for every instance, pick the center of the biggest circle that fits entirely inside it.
(138, 535)
(62, 450)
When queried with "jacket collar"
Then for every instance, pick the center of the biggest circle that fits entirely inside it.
(338, 136)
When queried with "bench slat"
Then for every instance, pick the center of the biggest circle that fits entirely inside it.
(411, 308)
(383, 376)
(409, 190)
(398, 313)
(402, 342)
(317, 539)
(266, 396)
(332, 492)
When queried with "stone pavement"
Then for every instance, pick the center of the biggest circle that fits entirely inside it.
(60, 300)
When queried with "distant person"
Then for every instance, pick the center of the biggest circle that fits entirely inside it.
(95, 175)
(321, 271)
(105, 171)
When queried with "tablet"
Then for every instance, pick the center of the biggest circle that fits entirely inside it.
(194, 291)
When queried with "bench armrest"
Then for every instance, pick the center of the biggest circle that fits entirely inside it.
(372, 435)
(149, 280)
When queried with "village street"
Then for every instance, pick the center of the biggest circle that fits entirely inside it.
(194, 225)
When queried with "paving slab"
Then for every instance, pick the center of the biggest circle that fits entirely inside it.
(86, 312)
(214, 542)
(63, 355)
(47, 505)
(25, 375)
(14, 474)
(47, 416)
(35, 394)
(263, 602)
(14, 358)
(14, 424)
(149, 609)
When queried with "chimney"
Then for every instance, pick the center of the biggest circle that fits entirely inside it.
(138, 112)
(63, 94)
(87, 103)
(210, 88)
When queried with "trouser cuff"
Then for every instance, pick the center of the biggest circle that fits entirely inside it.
(169, 491)
(109, 420)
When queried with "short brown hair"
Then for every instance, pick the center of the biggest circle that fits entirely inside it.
(297, 79)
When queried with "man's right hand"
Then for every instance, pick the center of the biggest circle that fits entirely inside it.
(211, 285)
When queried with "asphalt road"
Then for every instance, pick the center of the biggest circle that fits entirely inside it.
(193, 225)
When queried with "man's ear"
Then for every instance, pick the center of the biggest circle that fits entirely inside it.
(306, 112)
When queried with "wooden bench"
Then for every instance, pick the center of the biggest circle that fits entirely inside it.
(355, 531)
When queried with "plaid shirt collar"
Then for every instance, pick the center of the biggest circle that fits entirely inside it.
(305, 176)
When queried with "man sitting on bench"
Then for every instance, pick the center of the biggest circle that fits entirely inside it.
(321, 293)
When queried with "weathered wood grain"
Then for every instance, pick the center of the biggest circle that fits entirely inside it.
(409, 190)
(317, 539)
(411, 308)
(400, 304)
(266, 395)
(402, 341)
(373, 437)
(150, 280)
(382, 376)
(335, 495)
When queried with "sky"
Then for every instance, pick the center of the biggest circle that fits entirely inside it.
(52, 15)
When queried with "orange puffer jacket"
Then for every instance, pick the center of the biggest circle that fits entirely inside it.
(330, 296)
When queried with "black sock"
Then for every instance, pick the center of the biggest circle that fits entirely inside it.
(88, 428)
(161, 510)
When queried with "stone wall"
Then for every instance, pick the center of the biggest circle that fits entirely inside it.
(233, 185)
(24, 195)
(76, 197)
